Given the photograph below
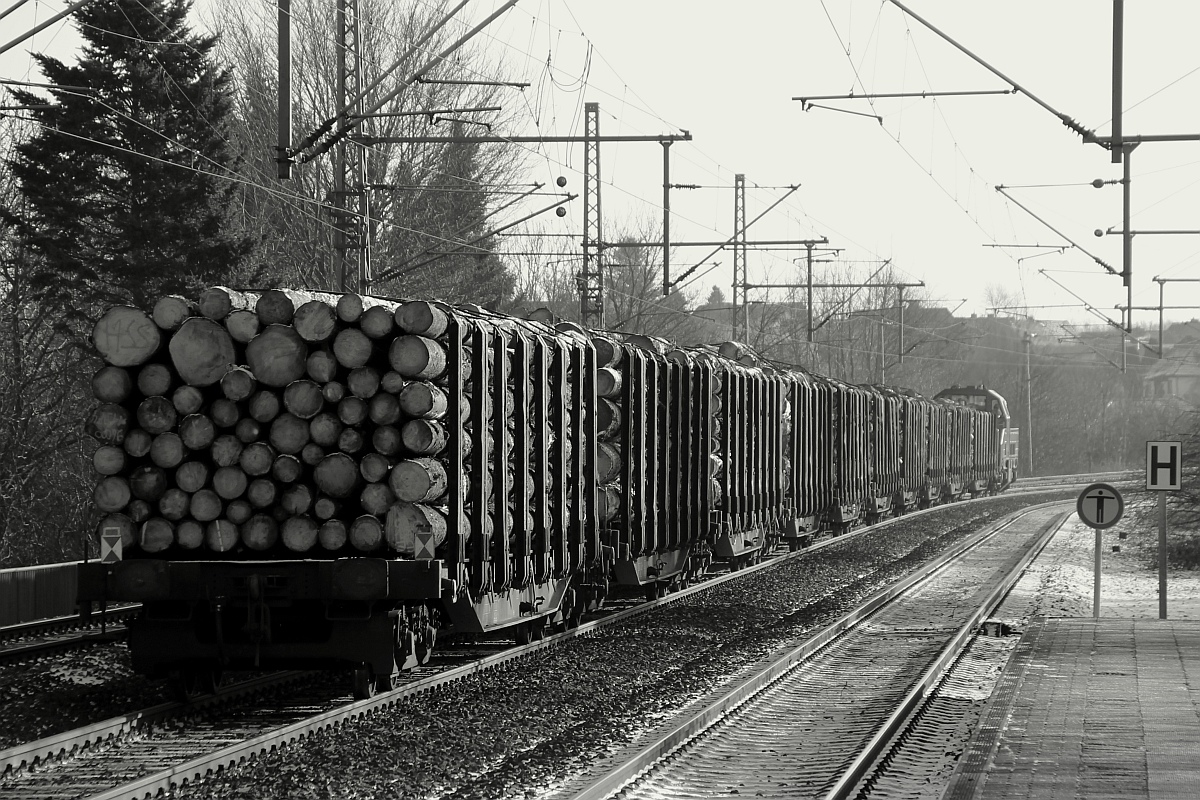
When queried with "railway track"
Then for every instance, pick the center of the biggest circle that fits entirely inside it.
(813, 720)
(40, 638)
(1046, 483)
(149, 751)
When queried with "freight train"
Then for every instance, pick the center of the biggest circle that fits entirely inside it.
(537, 465)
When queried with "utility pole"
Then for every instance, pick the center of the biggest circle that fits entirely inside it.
(348, 199)
(1160, 308)
(1119, 144)
(1029, 402)
(1126, 234)
(740, 281)
(882, 350)
(1160, 282)
(1122, 147)
(666, 244)
(1125, 315)
(284, 91)
(809, 244)
(1118, 58)
(591, 279)
(808, 259)
(351, 205)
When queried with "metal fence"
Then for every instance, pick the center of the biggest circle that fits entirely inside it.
(41, 592)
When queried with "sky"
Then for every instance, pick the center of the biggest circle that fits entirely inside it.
(912, 182)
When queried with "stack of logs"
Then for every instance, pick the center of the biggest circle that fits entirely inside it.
(273, 420)
(610, 420)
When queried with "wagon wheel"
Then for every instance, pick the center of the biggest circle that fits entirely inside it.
(425, 642)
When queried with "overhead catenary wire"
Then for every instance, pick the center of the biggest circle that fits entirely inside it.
(900, 143)
(805, 214)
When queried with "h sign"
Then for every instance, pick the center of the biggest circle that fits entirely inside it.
(1164, 466)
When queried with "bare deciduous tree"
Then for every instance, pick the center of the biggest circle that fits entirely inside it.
(45, 470)
(426, 200)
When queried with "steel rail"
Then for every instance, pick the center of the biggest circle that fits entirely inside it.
(881, 741)
(35, 627)
(745, 690)
(70, 741)
(197, 768)
(231, 755)
(10, 654)
(33, 753)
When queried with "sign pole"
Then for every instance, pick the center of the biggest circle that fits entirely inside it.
(1162, 555)
(1099, 506)
(1164, 473)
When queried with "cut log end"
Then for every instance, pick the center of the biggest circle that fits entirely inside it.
(171, 311)
(277, 356)
(126, 336)
(111, 384)
(202, 351)
(299, 534)
(366, 533)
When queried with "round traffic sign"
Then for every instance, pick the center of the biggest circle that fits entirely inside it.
(1100, 506)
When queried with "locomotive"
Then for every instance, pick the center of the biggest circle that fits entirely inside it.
(572, 459)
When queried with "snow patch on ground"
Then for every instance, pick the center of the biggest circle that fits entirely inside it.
(1060, 582)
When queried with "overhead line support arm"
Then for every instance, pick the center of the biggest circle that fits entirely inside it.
(683, 137)
(1066, 120)
(730, 240)
(807, 101)
(1075, 244)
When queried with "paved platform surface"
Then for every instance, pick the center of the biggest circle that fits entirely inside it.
(1091, 709)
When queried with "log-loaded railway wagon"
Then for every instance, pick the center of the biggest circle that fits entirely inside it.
(301, 480)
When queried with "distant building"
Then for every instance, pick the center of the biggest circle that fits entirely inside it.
(1176, 375)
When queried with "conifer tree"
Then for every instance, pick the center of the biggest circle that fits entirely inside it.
(125, 187)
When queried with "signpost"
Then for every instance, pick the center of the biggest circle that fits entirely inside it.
(112, 550)
(1164, 473)
(1099, 506)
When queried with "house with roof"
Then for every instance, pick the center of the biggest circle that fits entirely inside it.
(1176, 375)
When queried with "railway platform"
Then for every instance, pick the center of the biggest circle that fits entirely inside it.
(1091, 709)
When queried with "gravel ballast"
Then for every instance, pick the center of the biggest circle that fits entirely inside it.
(521, 729)
(42, 697)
